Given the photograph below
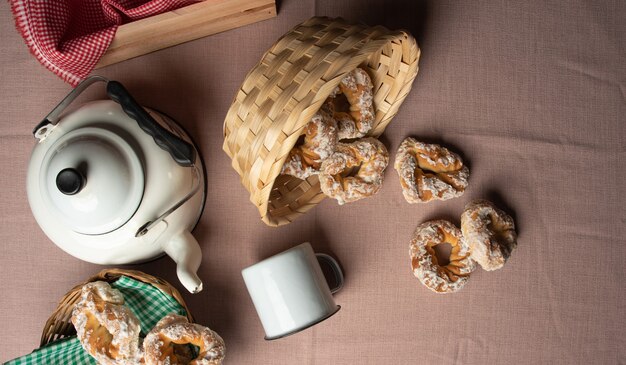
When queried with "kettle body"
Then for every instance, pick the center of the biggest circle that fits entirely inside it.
(126, 182)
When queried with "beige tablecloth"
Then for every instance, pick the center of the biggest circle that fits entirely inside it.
(531, 93)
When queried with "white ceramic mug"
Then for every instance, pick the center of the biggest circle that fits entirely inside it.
(290, 292)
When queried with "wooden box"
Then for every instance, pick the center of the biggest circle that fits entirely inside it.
(182, 25)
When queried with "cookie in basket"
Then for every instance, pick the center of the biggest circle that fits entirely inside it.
(358, 119)
(107, 330)
(320, 140)
(280, 95)
(168, 343)
(329, 125)
(369, 156)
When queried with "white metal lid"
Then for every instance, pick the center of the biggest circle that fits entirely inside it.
(92, 180)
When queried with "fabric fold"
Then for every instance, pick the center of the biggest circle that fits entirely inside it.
(69, 37)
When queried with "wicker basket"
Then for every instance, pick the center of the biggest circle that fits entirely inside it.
(59, 324)
(282, 92)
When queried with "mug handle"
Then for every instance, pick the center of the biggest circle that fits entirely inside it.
(334, 265)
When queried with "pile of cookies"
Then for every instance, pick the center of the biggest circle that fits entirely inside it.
(110, 332)
(351, 167)
(323, 153)
(333, 147)
(487, 234)
(487, 237)
(432, 172)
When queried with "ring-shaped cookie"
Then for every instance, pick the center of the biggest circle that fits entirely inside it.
(440, 279)
(489, 232)
(320, 140)
(107, 329)
(167, 343)
(369, 155)
(429, 172)
(358, 89)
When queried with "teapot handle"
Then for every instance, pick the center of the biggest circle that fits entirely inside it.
(41, 130)
(181, 151)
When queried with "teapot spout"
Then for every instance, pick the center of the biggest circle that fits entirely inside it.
(185, 251)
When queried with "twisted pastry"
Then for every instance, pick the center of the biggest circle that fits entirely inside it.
(429, 172)
(106, 328)
(489, 232)
(440, 279)
(168, 343)
(368, 153)
(358, 88)
(320, 140)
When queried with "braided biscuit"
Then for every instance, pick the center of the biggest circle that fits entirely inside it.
(168, 343)
(320, 140)
(429, 172)
(106, 328)
(358, 88)
(440, 279)
(346, 127)
(368, 153)
(489, 232)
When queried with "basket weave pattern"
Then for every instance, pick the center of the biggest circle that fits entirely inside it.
(286, 88)
(59, 325)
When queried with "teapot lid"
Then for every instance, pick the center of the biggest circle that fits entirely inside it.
(92, 180)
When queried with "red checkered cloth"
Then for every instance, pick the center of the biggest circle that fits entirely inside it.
(70, 36)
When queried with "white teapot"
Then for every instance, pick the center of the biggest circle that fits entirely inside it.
(112, 183)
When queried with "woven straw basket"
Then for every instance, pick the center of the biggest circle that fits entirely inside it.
(59, 324)
(286, 88)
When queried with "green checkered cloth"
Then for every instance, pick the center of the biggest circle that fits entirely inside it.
(147, 302)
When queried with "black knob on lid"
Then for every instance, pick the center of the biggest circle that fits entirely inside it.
(70, 181)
